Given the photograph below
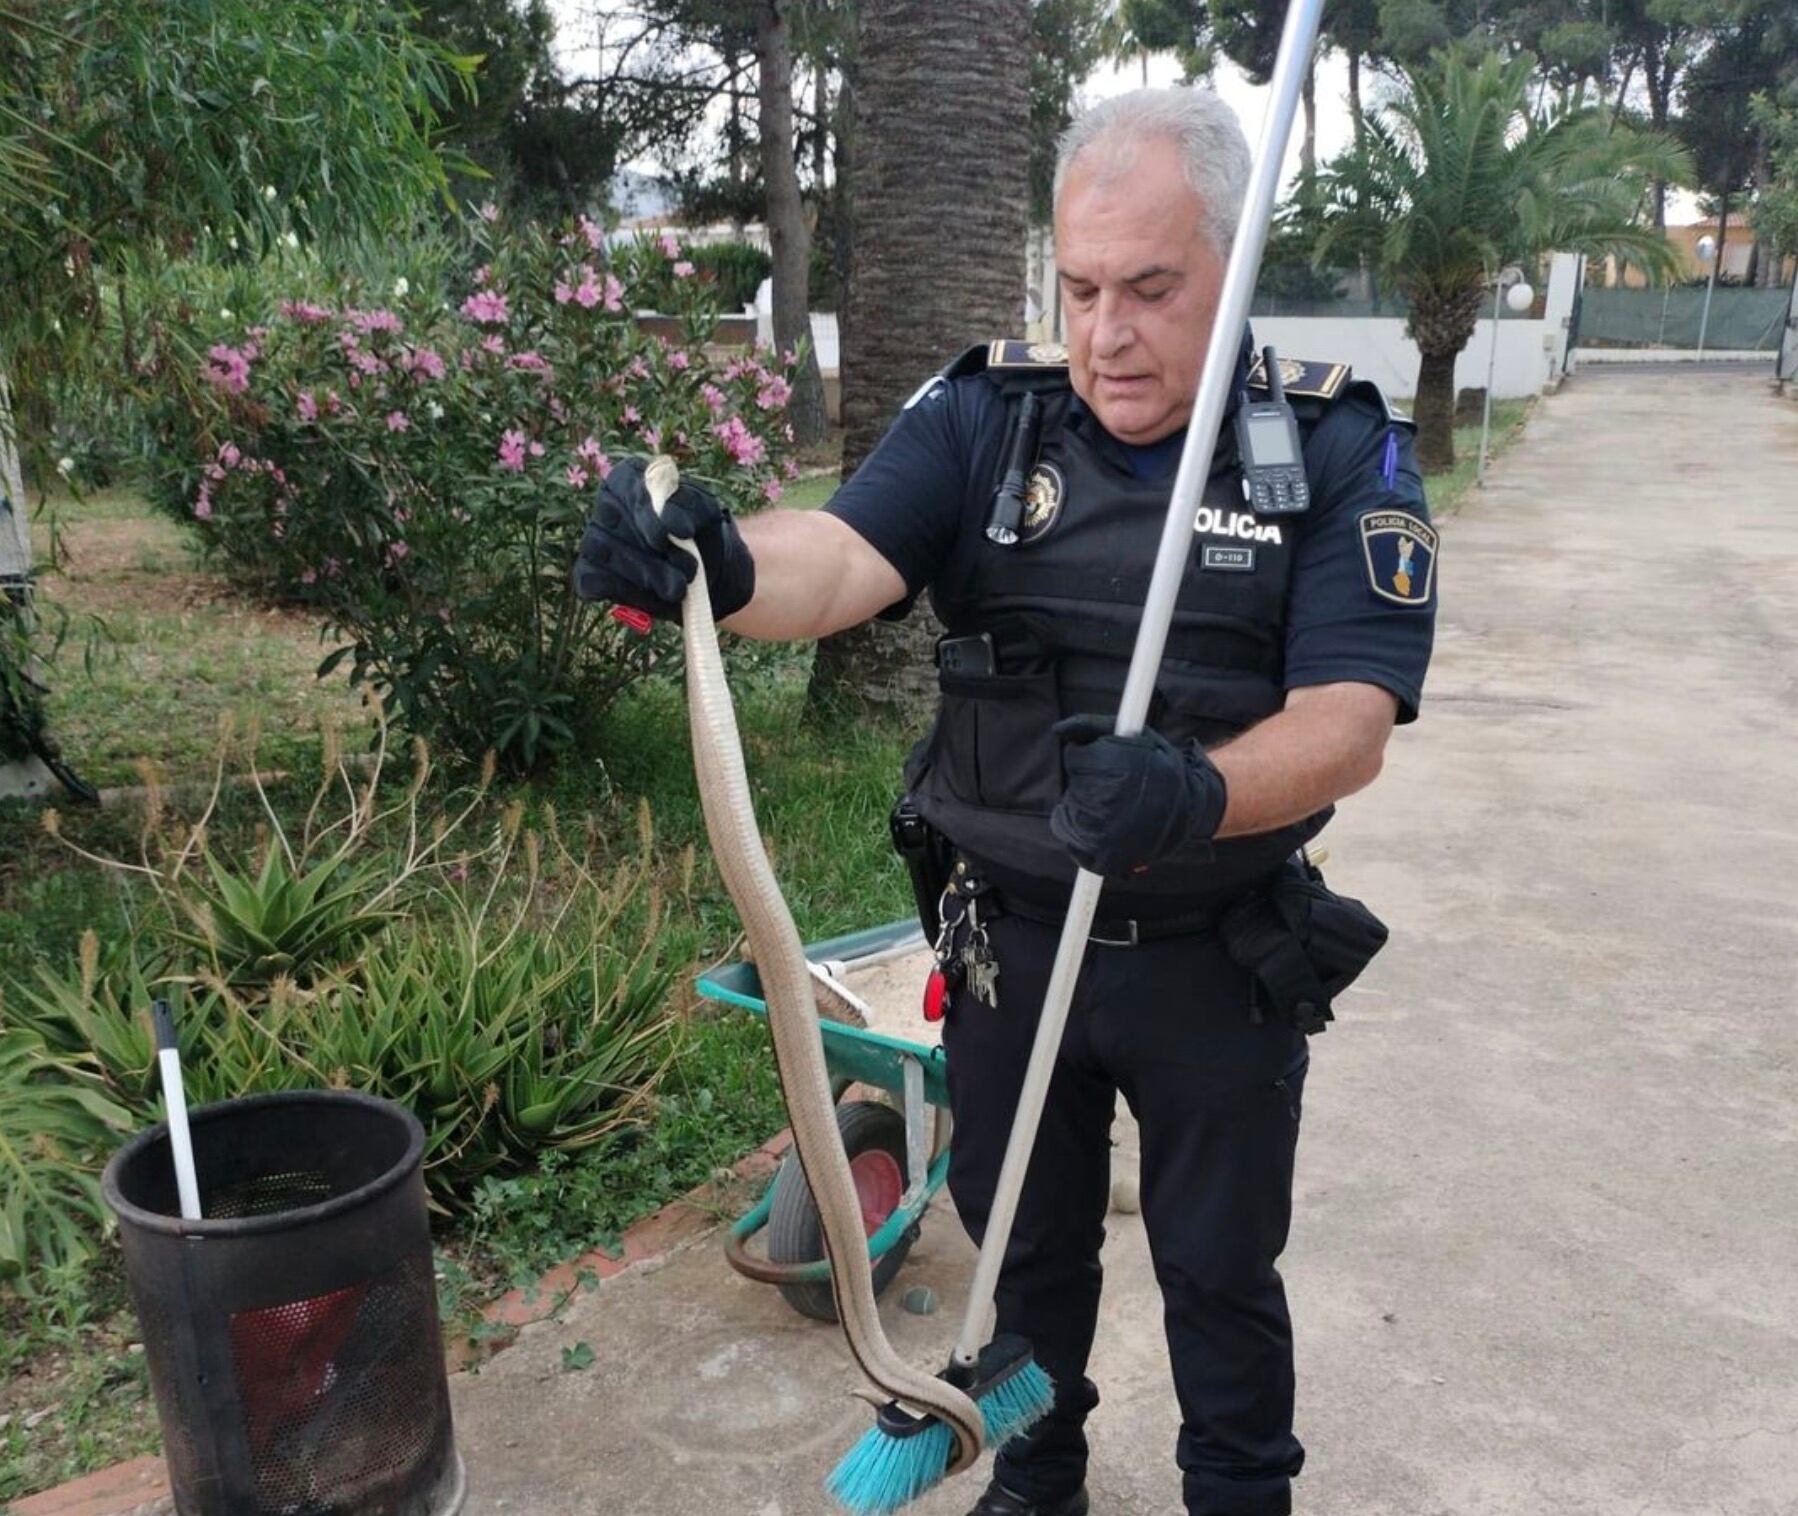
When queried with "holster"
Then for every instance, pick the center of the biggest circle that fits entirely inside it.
(928, 855)
(1304, 944)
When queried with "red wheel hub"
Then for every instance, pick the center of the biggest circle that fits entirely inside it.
(879, 1185)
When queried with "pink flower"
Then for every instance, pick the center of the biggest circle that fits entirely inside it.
(683, 270)
(577, 476)
(593, 232)
(775, 393)
(493, 343)
(203, 502)
(741, 443)
(307, 406)
(791, 468)
(398, 421)
(229, 456)
(652, 438)
(366, 363)
(425, 361)
(631, 415)
(670, 248)
(589, 293)
(713, 397)
(488, 307)
(305, 312)
(532, 360)
(772, 490)
(614, 294)
(395, 552)
(375, 321)
(227, 368)
(536, 449)
(563, 293)
(483, 273)
(638, 368)
(332, 403)
(511, 451)
(678, 360)
(348, 340)
(489, 212)
(591, 451)
(309, 576)
(602, 466)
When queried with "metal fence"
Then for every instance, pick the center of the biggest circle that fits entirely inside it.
(1741, 320)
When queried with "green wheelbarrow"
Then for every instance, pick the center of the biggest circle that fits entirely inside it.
(895, 1155)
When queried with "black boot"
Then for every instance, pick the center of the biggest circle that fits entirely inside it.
(999, 1501)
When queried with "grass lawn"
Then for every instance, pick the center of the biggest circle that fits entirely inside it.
(182, 651)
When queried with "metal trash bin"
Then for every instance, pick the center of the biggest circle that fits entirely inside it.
(292, 1335)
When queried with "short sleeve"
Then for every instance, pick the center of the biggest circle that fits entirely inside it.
(906, 497)
(1363, 594)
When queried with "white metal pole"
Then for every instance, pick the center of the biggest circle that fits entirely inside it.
(1498, 290)
(1296, 42)
(1704, 321)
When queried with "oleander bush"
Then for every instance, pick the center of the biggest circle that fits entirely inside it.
(420, 470)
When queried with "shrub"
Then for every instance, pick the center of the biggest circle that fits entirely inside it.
(737, 268)
(422, 475)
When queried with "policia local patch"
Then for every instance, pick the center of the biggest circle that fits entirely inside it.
(1401, 556)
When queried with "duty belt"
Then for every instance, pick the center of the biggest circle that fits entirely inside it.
(1107, 931)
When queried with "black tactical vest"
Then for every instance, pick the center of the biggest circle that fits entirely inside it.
(1062, 606)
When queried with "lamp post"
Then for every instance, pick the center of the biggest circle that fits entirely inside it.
(1514, 290)
(1707, 253)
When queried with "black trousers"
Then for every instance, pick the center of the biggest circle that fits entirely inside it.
(1216, 1097)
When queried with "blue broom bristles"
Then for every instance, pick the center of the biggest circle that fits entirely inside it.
(883, 1473)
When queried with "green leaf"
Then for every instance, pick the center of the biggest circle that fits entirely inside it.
(578, 1358)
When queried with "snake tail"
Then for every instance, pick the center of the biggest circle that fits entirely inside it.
(904, 1455)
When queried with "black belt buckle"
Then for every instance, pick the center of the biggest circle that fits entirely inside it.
(1133, 937)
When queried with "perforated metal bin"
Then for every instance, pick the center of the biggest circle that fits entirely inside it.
(292, 1335)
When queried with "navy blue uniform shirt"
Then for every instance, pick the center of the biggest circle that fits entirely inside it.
(1362, 602)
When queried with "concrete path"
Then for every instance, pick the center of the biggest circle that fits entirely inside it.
(1546, 1254)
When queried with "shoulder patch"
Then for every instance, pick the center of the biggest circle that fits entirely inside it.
(1400, 552)
(1303, 378)
(1008, 353)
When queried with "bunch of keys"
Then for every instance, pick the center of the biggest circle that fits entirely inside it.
(976, 965)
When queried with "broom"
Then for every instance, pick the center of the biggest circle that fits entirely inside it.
(903, 1455)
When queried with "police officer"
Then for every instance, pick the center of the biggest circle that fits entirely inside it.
(1298, 641)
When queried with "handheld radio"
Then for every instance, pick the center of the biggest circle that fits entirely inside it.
(1267, 442)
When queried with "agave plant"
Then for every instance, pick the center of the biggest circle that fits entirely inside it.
(55, 1125)
(1470, 169)
(285, 921)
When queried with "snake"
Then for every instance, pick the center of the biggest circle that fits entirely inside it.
(780, 961)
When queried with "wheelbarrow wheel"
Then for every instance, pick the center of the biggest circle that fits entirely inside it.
(874, 1139)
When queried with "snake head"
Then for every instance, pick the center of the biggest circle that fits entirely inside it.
(661, 478)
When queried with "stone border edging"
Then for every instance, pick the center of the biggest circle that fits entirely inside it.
(141, 1485)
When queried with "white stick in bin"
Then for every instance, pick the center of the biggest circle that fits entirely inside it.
(174, 1097)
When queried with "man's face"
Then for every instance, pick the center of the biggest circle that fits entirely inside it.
(1139, 282)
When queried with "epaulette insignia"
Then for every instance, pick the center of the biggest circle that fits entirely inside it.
(1007, 353)
(1303, 378)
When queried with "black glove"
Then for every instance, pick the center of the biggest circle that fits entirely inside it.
(1132, 801)
(627, 553)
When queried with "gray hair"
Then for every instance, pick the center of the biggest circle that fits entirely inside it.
(1205, 130)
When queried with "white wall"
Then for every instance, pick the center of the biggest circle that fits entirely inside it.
(824, 328)
(1377, 348)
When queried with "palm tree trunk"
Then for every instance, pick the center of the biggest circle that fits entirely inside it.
(1354, 96)
(1434, 411)
(942, 196)
(788, 237)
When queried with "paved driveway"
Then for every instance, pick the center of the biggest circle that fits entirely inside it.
(1546, 1256)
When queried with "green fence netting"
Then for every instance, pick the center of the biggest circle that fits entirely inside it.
(1740, 321)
